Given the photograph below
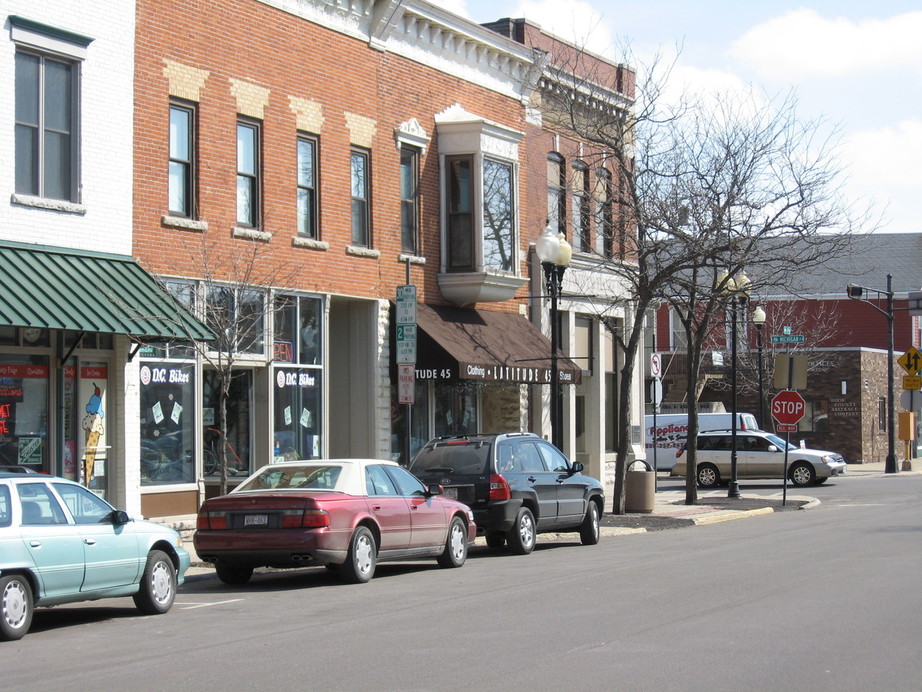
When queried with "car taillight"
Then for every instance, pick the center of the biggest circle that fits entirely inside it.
(211, 520)
(305, 519)
(499, 488)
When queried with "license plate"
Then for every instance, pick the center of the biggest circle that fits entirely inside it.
(451, 493)
(256, 520)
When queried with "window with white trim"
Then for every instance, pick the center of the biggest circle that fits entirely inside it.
(248, 173)
(307, 186)
(182, 160)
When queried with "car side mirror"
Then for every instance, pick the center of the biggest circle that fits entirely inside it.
(435, 489)
(772, 448)
(119, 517)
(576, 467)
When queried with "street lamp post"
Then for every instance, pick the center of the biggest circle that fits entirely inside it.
(554, 252)
(738, 292)
(758, 319)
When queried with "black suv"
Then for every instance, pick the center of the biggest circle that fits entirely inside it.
(517, 484)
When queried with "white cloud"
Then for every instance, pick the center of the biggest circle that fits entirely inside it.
(458, 7)
(803, 43)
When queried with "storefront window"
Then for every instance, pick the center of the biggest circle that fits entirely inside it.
(455, 409)
(297, 394)
(237, 408)
(419, 422)
(167, 434)
(24, 411)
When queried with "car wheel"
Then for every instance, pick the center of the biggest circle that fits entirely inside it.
(232, 575)
(455, 552)
(359, 566)
(708, 476)
(495, 539)
(589, 530)
(521, 537)
(158, 584)
(802, 474)
(16, 607)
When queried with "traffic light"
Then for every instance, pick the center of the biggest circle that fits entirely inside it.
(854, 291)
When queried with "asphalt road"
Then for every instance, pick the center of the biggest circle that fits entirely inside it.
(823, 599)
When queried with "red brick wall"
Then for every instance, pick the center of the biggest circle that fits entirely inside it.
(249, 41)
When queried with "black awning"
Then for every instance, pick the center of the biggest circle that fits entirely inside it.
(463, 344)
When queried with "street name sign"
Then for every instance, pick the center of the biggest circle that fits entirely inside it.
(787, 338)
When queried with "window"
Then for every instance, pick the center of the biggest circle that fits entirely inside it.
(167, 400)
(581, 240)
(47, 90)
(361, 196)
(603, 213)
(409, 199)
(237, 315)
(84, 506)
(181, 170)
(307, 186)
(556, 195)
(498, 229)
(248, 182)
(460, 213)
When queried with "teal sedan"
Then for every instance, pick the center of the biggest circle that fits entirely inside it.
(60, 543)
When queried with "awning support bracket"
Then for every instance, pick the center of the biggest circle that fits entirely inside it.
(73, 347)
(133, 352)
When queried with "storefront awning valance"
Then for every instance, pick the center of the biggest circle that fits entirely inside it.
(458, 343)
(59, 288)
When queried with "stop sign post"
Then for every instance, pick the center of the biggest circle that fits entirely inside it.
(788, 408)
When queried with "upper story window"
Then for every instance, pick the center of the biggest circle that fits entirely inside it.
(307, 186)
(580, 186)
(556, 193)
(182, 160)
(47, 113)
(460, 212)
(604, 221)
(361, 197)
(409, 199)
(248, 173)
(498, 215)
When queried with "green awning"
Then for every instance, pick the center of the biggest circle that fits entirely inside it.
(60, 288)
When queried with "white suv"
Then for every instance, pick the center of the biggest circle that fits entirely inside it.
(758, 455)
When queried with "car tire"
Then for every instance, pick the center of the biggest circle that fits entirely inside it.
(708, 476)
(16, 607)
(802, 474)
(521, 537)
(232, 575)
(455, 552)
(359, 566)
(495, 539)
(590, 530)
(158, 584)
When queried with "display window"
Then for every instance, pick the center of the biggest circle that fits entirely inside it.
(24, 411)
(167, 423)
(238, 412)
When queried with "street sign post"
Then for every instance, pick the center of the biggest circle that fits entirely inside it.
(788, 407)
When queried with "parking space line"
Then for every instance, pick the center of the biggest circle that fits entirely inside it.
(192, 606)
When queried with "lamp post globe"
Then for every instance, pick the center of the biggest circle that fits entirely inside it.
(554, 253)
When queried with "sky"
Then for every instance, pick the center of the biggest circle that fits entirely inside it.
(854, 63)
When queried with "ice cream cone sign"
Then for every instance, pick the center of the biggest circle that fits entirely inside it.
(93, 428)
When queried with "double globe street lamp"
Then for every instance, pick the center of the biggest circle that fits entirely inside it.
(554, 253)
(737, 291)
(758, 319)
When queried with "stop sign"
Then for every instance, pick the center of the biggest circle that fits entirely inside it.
(788, 407)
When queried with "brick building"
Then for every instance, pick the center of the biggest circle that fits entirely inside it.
(297, 162)
(845, 342)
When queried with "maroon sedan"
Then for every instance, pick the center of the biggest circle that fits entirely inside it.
(347, 514)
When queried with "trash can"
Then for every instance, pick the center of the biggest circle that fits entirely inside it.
(639, 488)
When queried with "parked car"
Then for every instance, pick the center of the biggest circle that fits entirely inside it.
(60, 543)
(15, 468)
(672, 428)
(347, 514)
(758, 455)
(517, 484)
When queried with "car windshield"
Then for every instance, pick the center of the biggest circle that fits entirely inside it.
(308, 476)
(465, 457)
(780, 443)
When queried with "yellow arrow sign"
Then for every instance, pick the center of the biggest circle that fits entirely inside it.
(911, 361)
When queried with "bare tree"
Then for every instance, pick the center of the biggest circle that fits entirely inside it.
(706, 189)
